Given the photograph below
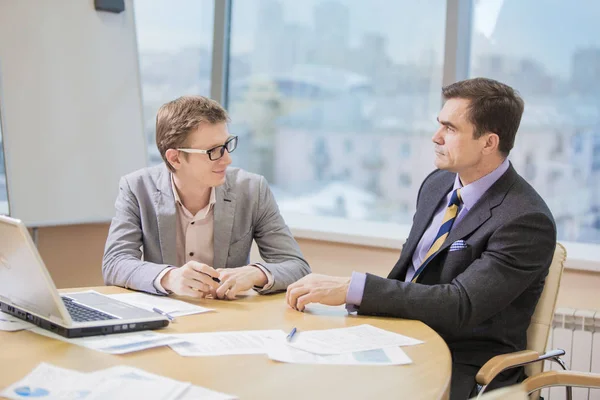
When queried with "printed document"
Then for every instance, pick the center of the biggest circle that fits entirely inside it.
(225, 343)
(175, 308)
(348, 340)
(11, 324)
(54, 383)
(280, 351)
(191, 392)
(119, 343)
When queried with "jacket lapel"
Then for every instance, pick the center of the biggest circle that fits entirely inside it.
(166, 216)
(223, 224)
(430, 202)
(482, 210)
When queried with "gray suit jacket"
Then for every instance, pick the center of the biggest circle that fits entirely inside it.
(480, 299)
(146, 220)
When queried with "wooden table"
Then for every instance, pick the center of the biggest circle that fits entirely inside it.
(254, 376)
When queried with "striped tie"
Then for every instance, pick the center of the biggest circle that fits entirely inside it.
(449, 217)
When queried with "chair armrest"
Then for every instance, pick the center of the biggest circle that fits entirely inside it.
(512, 360)
(497, 364)
(561, 378)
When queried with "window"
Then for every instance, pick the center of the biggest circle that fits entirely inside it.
(323, 94)
(3, 191)
(175, 50)
(557, 71)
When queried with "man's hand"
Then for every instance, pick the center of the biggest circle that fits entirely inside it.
(316, 288)
(194, 279)
(236, 280)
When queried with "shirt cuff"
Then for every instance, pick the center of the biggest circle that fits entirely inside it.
(356, 291)
(157, 280)
(269, 275)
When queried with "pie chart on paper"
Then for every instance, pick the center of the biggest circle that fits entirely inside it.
(26, 391)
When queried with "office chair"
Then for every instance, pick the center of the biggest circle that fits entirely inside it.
(537, 334)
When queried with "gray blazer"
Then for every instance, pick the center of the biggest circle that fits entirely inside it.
(145, 222)
(480, 299)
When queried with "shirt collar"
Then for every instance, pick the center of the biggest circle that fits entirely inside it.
(213, 196)
(471, 193)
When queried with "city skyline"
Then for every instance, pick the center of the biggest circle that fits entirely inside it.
(512, 32)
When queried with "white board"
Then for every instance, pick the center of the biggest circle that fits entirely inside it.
(71, 108)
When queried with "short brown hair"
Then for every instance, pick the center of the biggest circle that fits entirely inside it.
(494, 107)
(176, 119)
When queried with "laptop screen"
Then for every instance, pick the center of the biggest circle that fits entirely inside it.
(24, 279)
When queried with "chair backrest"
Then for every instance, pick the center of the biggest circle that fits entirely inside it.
(541, 321)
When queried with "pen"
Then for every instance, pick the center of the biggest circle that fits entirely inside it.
(213, 278)
(161, 312)
(291, 335)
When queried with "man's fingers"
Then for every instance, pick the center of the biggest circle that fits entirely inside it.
(288, 292)
(202, 277)
(294, 294)
(197, 285)
(306, 299)
(188, 291)
(225, 286)
(205, 269)
(233, 291)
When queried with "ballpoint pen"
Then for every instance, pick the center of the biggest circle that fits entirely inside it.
(291, 335)
(213, 278)
(166, 314)
(210, 276)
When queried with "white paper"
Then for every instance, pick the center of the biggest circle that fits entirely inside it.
(11, 324)
(279, 351)
(198, 392)
(50, 382)
(187, 392)
(348, 340)
(175, 308)
(119, 343)
(225, 343)
(54, 383)
(166, 388)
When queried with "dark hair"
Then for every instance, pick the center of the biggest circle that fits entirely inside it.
(177, 118)
(494, 107)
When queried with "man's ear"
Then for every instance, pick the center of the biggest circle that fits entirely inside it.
(492, 142)
(173, 158)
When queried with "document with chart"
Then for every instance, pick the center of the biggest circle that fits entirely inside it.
(225, 343)
(117, 383)
(119, 343)
(280, 351)
(348, 340)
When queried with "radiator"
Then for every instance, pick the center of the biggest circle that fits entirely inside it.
(577, 332)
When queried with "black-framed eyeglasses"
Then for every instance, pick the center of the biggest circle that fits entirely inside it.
(218, 151)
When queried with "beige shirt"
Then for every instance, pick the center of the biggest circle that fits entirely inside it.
(194, 241)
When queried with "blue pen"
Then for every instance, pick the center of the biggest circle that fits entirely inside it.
(291, 335)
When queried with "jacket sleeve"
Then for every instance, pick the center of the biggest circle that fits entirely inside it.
(122, 263)
(280, 252)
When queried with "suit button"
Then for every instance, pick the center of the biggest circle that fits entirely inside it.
(193, 222)
(191, 253)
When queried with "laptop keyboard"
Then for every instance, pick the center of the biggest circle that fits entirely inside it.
(81, 313)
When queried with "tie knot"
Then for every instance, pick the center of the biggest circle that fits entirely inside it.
(455, 199)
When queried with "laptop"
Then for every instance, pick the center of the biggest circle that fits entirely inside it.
(28, 292)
